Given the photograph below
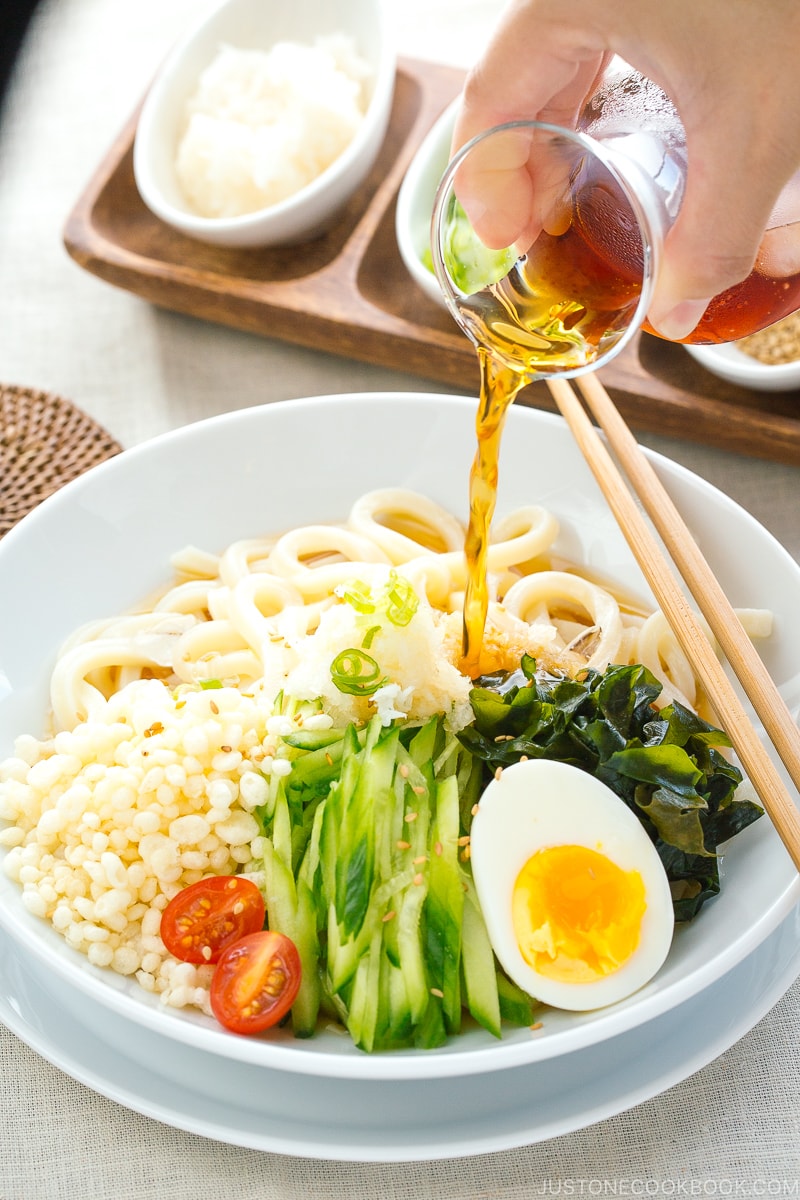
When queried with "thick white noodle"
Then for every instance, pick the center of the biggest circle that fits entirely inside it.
(191, 597)
(145, 641)
(375, 514)
(225, 611)
(243, 557)
(318, 558)
(657, 648)
(538, 599)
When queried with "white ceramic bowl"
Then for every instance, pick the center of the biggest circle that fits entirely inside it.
(258, 25)
(732, 364)
(415, 201)
(104, 542)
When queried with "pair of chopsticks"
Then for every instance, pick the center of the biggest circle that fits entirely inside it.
(708, 595)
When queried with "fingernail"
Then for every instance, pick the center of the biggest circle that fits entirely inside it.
(678, 322)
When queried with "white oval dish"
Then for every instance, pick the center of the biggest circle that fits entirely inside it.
(104, 542)
(415, 201)
(364, 1121)
(258, 25)
(732, 364)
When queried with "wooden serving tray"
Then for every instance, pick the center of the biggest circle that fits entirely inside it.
(349, 293)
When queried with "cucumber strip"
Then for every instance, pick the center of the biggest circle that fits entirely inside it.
(314, 771)
(312, 739)
(422, 747)
(362, 776)
(397, 1027)
(444, 905)
(282, 827)
(309, 868)
(410, 952)
(516, 1006)
(430, 1031)
(344, 956)
(478, 967)
(306, 1006)
(291, 910)
(362, 1020)
(334, 814)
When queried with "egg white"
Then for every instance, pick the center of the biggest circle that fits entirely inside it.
(536, 804)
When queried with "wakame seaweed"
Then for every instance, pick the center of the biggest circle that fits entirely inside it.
(664, 763)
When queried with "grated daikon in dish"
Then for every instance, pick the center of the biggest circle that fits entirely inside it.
(263, 124)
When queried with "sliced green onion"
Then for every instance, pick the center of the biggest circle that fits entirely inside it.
(358, 596)
(356, 673)
(369, 636)
(210, 684)
(401, 600)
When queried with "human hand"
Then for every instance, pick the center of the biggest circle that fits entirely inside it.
(730, 68)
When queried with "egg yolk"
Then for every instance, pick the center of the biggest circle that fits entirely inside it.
(577, 916)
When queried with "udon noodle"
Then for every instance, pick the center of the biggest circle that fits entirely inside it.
(246, 616)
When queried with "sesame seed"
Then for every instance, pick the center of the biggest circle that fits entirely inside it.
(474, 810)
(498, 773)
(411, 816)
(463, 841)
(536, 1025)
(418, 879)
(421, 858)
(437, 849)
(389, 916)
(401, 845)
(213, 706)
(404, 770)
(437, 992)
(419, 791)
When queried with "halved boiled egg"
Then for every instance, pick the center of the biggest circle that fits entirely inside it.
(576, 901)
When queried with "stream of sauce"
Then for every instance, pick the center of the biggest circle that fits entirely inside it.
(499, 386)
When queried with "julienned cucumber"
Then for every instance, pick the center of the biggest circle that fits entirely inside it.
(364, 869)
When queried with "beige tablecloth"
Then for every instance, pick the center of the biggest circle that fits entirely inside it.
(733, 1129)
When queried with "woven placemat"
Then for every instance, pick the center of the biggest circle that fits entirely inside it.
(45, 441)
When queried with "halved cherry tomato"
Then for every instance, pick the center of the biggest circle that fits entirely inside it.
(210, 915)
(256, 982)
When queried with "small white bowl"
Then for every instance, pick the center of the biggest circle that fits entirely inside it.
(258, 25)
(732, 364)
(415, 201)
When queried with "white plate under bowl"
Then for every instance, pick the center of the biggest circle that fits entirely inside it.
(104, 542)
(362, 1121)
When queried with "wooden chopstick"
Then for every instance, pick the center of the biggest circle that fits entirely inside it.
(756, 682)
(700, 579)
